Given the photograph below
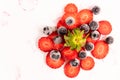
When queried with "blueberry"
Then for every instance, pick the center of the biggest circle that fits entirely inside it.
(82, 54)
(89, 46)
(57, 39)
(96, 10)
(85, 27)
(55, 55)
(70, 21)
(95, 35)
(74, 62)
(62, 30)
(47, 30)
(93, 25)
(109, 40)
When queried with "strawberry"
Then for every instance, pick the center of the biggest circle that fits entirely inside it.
(68, 53)
(52, 35)
(58, 46)
(71, 70)
(69, 20)
(59, 23)
(70, 8)
(54, 61)
(45, 44)
(100, 50)
(105, 27)
(87, 63)
(89, 39)
(85, 16)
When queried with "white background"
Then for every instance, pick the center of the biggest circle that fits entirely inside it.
(21, 22)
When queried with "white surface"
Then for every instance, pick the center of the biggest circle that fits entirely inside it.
(20, 27)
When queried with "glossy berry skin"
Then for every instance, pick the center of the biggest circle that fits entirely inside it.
(54, 60)
(75, 62)
(85, 27)
(55, 55)
(95, 10)
(95, 35)
(89, 46)
(93, 25)
(109, 40)
(82, 54)
(62, 30)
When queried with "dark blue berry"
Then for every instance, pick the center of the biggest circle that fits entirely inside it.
(95, 35)
(82, 55)
(96, 10)
(93, 25)
(70, 21)
(62, 30)
(85, 27)
(89, 46)
(74, 62)
(55, 55)
(109, 40)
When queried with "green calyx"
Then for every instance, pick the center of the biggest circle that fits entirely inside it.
(75, 39)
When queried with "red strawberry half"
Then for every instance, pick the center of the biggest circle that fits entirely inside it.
(71, 71)
(100, 50)
(70, 8)
(68, 53)
(69, 20)
(54, 61)
(105, 27)
(45, 44)
(85, 16)
(87, 63)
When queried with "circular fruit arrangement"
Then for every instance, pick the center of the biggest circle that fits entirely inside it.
(75, 34)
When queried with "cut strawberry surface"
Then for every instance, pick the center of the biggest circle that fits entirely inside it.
(45, 44)
(71, 71)
(69, 20)
(87, 63)
(100, 50)
(70, 8)
(68, 53)
(54, 63)
(105, 27)
(85, 16)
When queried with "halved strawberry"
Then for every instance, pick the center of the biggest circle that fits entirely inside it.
(100, 50)
(45, 44)
(70, 8)
(85, 16)
(87, 63)
(59, 24)
(71, 71)
(68, 53)
(69, 20)
(105, 27)
(58, 46)
(54, 63)
(89, 39)
(53, 34)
